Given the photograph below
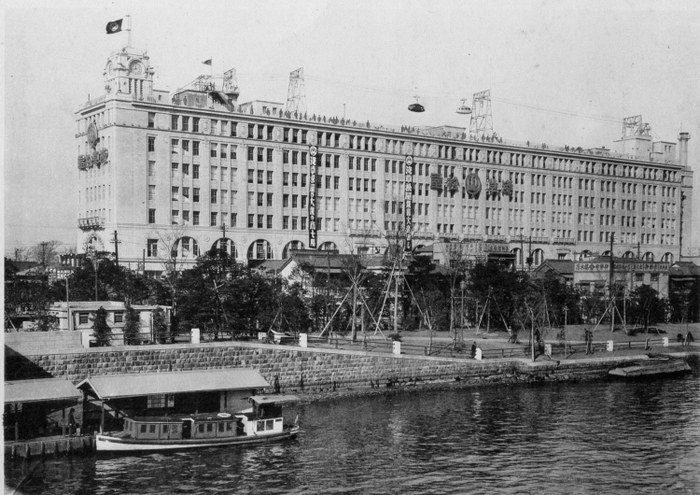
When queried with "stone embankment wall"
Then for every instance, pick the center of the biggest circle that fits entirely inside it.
(310, 370)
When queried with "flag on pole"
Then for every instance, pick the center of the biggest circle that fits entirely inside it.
(114, 26)
(207, 62)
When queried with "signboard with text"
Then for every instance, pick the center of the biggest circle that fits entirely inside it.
(313, 231)
(408, 202)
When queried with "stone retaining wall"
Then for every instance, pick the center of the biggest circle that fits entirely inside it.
(298, 368)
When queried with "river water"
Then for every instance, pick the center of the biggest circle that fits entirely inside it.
(566, 438)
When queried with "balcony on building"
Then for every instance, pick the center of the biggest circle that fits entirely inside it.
(91, 223)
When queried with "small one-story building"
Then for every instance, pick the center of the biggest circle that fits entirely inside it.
(78, 316)
(594, 274)
(108, 398)
(37, 407)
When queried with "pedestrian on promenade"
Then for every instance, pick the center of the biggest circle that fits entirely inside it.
(474, 349)
(71, 422)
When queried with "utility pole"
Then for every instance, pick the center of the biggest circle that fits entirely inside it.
(116, 243)
(612, 283)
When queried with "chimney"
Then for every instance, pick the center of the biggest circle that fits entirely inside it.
(683, 139)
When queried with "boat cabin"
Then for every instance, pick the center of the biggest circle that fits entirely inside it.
(263, 418)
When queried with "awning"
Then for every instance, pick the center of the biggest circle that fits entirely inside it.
(138, 384)
(273, 399)
(40, 390)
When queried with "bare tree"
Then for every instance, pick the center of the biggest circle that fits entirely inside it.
(45, 253)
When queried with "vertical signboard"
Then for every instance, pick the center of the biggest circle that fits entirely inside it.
(408, 202)
(313, 237)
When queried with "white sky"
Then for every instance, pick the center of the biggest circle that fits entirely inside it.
(560, 72)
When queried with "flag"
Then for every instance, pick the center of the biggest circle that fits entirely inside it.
(114, 26)
(207, 62)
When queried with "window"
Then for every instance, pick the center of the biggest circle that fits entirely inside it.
(195, 171)
(269, 221)
(174, 145)
(269, 199)
(285, 178)
(151, 143)
(234, 219)
(185, 123)
(195, 148)
(251, 177)
(269, 155)
(224, 151)
(336, 183)
(195, 218)
(152, 248)
(176, 194)
(195, 124)
(83, 318)
(118, 316)
(261, 198)
(151, 215)
(251, 220)
(151, 192)
(186, 217)
(213, 150)
(173, 122)
(214, 194)
(285, 200)
(260, 221)
(285, 223)
(195, 194)
(269, 177)
(214, 216)
(151, 169)
(251, 153)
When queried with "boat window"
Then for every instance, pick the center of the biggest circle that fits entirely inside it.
(143, 428)
(210, 427)
(174, 429)
(229, 426)
(200, 428)
(151, 428)
(270, 424)
(222, 426)
(165, 429)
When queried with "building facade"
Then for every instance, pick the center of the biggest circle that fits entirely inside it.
(169, 176)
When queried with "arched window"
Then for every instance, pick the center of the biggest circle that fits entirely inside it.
(648, 256)
(328, 246)
(628, 254)
(291, 246)
(537, 257)
(260, 250)
(185, 247)
(667, 258)
(518, 256)
(227, 245)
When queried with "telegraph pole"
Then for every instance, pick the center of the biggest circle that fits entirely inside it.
(116, 243)
(611, 283)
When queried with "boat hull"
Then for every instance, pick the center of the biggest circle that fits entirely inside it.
(107, 443)
(651, 369)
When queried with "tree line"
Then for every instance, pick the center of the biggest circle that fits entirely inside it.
(226, 299)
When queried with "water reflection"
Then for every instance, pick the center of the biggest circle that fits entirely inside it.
(607, 437)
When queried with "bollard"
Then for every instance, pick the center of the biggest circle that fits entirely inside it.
(304, 340)
(610, 346)
(665, 340)
(194, 336)
(479, 355)
(397, 347)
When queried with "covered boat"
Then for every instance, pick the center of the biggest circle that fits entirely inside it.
(262, 423)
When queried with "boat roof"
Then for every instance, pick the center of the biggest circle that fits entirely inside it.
(40, 390)
(138, 384)
(273, 399)
(179, 418)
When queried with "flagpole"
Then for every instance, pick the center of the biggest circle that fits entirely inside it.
(128, 30)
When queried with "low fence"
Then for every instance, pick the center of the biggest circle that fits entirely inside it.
(461, 350)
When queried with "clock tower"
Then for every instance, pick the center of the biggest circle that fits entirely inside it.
(129, 71)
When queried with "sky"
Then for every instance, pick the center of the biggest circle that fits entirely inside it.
(559, 72)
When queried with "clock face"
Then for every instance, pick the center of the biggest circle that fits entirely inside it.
(135, 69)
(110, 69)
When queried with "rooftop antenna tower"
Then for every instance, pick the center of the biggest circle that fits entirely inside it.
(482, 120)
(633, 126)
(296, 95)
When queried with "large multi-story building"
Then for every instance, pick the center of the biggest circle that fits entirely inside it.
(174, 175)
